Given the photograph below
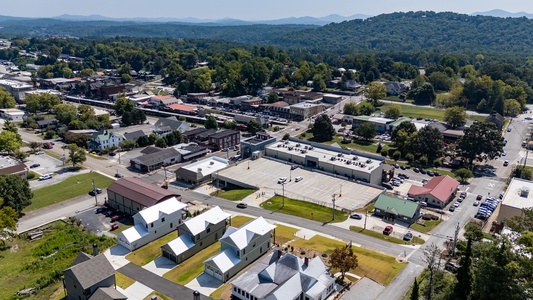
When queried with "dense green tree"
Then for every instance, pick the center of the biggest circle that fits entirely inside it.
(174, 138)
(463, 174)
(122, 104)
(481, 141)
(6, 100)
(161, 143)
(463, 287)
(393, 111)
(15, 192)
(211, 122)
(424, 94)
(375, 91)
(522, 172)
(415, 291)
(402, 134)
(254, 126)
(441, 81)
(127, 145)
(366, 108)
(143, 141)
(8, 218)
(323, 129)
(512, 107)
(65, 113)
(455, 116)
(273, 98)
(351, 108)
(76, 155)
(367, 130)
(9, 141)
(427, 142)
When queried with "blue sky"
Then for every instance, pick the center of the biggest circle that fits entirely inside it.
(248, 9)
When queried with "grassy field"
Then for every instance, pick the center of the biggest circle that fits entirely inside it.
(284, 234)
(192, 267)
(233, 194)
(123, 281)
(40, 263)
(426, 112)
(429, 225)
(67, 189)
(52, 154)
(217, 294)
(151, 251)
(303, 209)
(381, 236)
(378, 267)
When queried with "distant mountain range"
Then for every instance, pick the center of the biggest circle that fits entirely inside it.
(226, 21)
(503, 14)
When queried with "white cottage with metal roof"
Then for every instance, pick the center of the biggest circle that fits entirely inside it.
(285, 276)
(152, 223)
(240, 247)
(196, 234)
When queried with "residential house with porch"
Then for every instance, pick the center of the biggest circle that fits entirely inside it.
(196, 234)
(239, 247)
(152, 223)
(104, 139)
(164, 126)
(285, 276)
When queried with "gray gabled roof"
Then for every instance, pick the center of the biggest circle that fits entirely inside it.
(92, 271)
(107, 293)
(134, 136)
(171, 122)
(157, 157)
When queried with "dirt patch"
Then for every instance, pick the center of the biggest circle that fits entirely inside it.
(14, 248)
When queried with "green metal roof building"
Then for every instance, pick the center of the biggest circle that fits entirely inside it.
(395, 209)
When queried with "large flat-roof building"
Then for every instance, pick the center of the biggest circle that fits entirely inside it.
(201, 171)
(130, 195)
(256, 143)
(346, 163)
(16, 88)
(517, 197)
(12, 166)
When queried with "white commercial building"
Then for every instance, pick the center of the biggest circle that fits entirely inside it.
(518, 197)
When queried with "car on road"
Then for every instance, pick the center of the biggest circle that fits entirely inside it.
(95, 191)
(504, 153)
(408, 236)
(35, 166)
(118, 175)
(388, 230)
(112, 154)
(294, 167)
(509, 129)
(479, 197)
(476, 203)
(39, 153)
(505, 163)
(45, 177)
(529, 118)
(298, 179)
(242, 205)
(356, 216)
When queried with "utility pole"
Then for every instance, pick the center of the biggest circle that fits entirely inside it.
(333, 211)
(366, 216)
(456, 234)
(340, 192)
(95, 194)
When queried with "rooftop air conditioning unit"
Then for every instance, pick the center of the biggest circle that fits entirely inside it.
(524, 192)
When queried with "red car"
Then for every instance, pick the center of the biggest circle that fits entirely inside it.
(479, 197)
(115, 218)
(388, 230)
(114, 227)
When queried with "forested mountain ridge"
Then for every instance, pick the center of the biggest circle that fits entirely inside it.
(401, 32)
(413, 31)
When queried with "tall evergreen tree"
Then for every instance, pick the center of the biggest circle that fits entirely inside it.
(464, 274)
(415, 293)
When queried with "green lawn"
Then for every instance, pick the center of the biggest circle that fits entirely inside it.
(284, 234)
(192, 267)
(151, 251)
(425, 112)
(427, 227)
(303, 209)
(233, 194)
(217, 294)
(67, 189)
(381, 236)
(376, 266)
(40, 263)
(238, 221)
(123, 281)
(52, 154)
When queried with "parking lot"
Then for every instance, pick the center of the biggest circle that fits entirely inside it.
(314, 187)
(98, 219)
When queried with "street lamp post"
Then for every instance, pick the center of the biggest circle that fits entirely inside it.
(283, 195)
(340, 192)
(95, 194)
(366, 216)
(333, 211)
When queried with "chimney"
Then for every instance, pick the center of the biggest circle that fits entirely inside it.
(95, 249)
(306, 261)
(279, 253)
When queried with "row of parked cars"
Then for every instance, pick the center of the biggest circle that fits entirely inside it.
(486, 208)
(460, 199)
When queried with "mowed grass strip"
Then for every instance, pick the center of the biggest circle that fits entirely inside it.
(192, 267)
(303, 209)
(427, 227)
(238, 221)
(284, 234)
(67, 189)
(151, 251)
(233, 195)
(376, 266)
(381, 236)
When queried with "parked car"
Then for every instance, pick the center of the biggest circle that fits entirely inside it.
(452, 208)
(460, 199)
(422, 203)
(35, 166)
(118, 175)
(479, 197)
(39, 153)
(476, 203)
(430, 173)
(95, 191)
(356, 216)
(45, 177)
(294, 167)
(282, 180)
(436, 173)
(114, 227)
(242, 205)
(408, 236)
(416, 170)
(463, 194)
(505, 163)
(403, 167)
(422, 171)
(388, 230)
(298, 179)
(112, 154)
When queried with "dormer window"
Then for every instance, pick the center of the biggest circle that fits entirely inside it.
(208, 230)
(162, 219)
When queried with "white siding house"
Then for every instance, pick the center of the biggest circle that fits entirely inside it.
(238, 248)
(152, 223)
